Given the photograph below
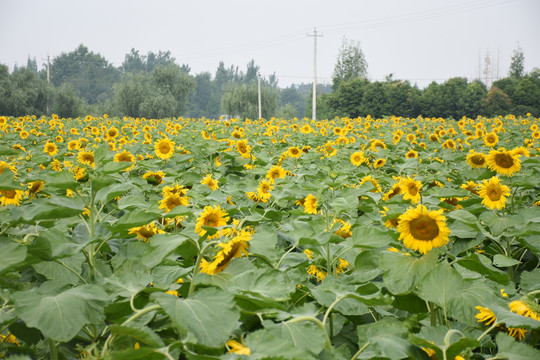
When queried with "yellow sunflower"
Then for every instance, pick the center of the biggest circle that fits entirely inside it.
(357, 158)
(124, 156)
(491, 139)
(213, 184)
(170, 201)
(422, 230)
(410, 189)
(145, 232)
(485, 315)
(234, 248)
(236, 348)
(503, 162)
(476, 160)
(34, 187)
(379, 163)
(523, 308)
(493, 193)
(154, 177)
(411, 154)
(372, 181)
(263, 190)
(276, 172)
(310, 204)
(86, 157)
(213, 217)
(50, 148)
(243, 148)
(11, 197)
(345, 230)
(294, 152)
(164, 148)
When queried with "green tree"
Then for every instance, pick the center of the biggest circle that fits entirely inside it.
(90, 74)
(23, 92)
(517, 66)
(242, 99)
(475, 93)
(66, 102)
(348, 99)
(403, 98)
(497, 102)
(351, 63)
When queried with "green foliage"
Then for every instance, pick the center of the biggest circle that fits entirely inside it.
(66, 102)
(243, 100)
(517, 66)
(351, 63)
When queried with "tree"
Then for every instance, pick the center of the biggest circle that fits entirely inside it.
(348, 99)
(242, 99)
(517, 67)
(497, 102)
(475, 94)
(351, 63)
(66, 102)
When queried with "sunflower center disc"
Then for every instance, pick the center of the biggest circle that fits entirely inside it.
(424, 228)
(478, 160)
(494, 193)
(504, 160)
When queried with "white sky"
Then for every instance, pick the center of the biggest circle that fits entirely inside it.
(416, 40)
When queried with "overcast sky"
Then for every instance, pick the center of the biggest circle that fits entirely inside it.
(416, 40)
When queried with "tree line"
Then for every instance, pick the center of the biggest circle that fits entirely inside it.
(153, 85)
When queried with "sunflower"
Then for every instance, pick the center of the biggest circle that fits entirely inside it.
(493, 193)
(470, 186)
(154, 177)
(164, 148)
(11, 197)
(411, 154)
(276, 172)
(396, 189)
(243, 148)
(410, 189)
(503, 162)
(86, 157)
(234, 248)
(74, 145)
(145, 232)
(263, 190)
(4, 165)
(310, 204)
(523, 308)
(345, 230)
(212, 183)
(422, 230)
(170, 201)
(294, 152)
(476, 160)
(518, 333)
(491, 139)
(124, 156)
(314, 271)
(50, 148)
(357, 158)
(34, 187)
(521, 151)
(370, 179)
(379, 163)
(377, 144)
(236, 348)
(213, 217)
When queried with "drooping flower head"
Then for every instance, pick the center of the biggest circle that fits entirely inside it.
(310, 204)
(422, 230)
(213, 184)
(234, 248)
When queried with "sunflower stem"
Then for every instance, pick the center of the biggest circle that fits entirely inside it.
(53, 350)
(317, 322)
(197, 265)
(361, 350)
(487, 331)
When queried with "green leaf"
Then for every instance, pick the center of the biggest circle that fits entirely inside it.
(140, 333)
(114, 167)
(529, 280)
(385, 338)
(61, 180)
(263, 283)
(7, 181)
(264, 244)
(134, 219)
(504, 261)
(161, 245)
(481, 265)
(48, 209)
(330, 290)
(207, 318)
(441, 285)
(61, 315)
(12, 254)
(403, 272)
(106, 194)
(510, 349)
(370, 237)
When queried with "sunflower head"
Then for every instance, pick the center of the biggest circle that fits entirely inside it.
(410, 189)
(213, 217)
(503, 162)
(357, 158)
(493, 193)
(310, 204)
(164, 148)
(476, 160)
(422, 230)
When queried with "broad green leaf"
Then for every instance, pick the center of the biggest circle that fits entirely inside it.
(134, 219)
(504, 261)
(58, 270)
(510, 319)
(509, 348)
(463, 302)
(146, 353)
(330, 290)
(264, 244)
(403, 272)
(61, 315)
(370, 237)
(161, 245)
(114, 167)
(106, 194)
(7, 181)
(530, 281)
(12, 254)
(61, 180)
(385, 338)
(263, 283)
(142, 334)
(207, 318)
(45, 209)
(441, 285)
(481, 264)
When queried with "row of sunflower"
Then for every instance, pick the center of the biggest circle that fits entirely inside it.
(297, 239)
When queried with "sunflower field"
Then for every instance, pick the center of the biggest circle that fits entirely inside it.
(387, 238)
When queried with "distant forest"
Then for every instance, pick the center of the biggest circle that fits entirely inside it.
(153, 85)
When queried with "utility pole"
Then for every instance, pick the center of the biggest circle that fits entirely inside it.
(48, 79)
(259, 86)
(314, 105)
